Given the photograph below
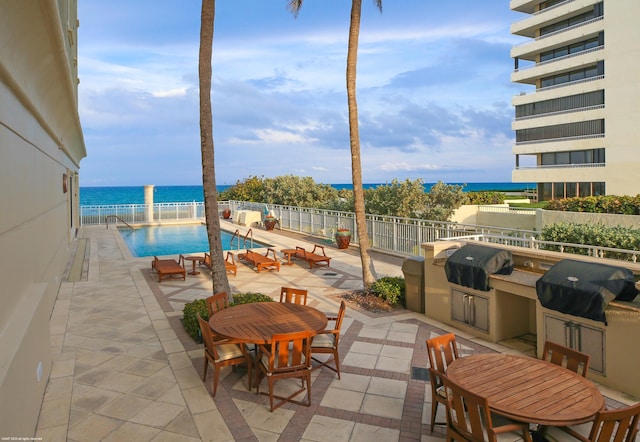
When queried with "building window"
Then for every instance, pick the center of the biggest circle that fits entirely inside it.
(597, 11)
(572, 49)
(590, 156)
(584, 189)
(548, 191)
(579, 74)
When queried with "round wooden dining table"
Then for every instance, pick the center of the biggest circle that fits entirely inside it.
(528, 389)
(257, 322)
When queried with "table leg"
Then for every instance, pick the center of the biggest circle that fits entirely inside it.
(193, 268)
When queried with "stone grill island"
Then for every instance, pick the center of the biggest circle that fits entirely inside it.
(509, 309)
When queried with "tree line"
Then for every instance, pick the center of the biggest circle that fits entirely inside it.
(406, 199)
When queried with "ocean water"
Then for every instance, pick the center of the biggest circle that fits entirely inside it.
(95, 196)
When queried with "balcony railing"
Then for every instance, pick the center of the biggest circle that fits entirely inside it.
(542, 11)
(557, 140)
(564, 57)
(561, 112)
(561, 166)
(402, 236)
(560, 31)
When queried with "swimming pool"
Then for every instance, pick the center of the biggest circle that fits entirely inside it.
(177, 239)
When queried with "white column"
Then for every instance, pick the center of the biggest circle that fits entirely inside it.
(148, 201)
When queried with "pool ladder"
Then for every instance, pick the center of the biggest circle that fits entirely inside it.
(106, 221)
(236, 236)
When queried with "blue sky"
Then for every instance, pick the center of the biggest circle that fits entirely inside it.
(434, 91)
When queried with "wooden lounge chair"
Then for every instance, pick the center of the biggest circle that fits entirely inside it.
(168, 267)
(229, 263)
(312, 257)
(261, 262)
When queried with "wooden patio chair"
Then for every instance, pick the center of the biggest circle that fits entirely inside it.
(619, 425)
(221, 353)
(288, 356)
(326, 342)
(442, 351)
(469, 419)
(566, 357)
(169, 267)
(290, 294)
(217, 302)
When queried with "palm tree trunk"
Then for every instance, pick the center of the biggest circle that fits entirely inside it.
(368, 272)
(218, 271)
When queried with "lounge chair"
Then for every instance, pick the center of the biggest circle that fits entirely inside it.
(261, 262)
(229, 263)
(168, 267)
(312, 257)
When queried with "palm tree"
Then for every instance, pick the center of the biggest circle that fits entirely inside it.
(218, 271)
(368, 272)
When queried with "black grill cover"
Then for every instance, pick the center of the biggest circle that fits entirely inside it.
(584, 289)
(471, 265)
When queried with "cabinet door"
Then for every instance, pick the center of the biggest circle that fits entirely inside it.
(479, 313)
(555, 330)
(470, 309)
(459, 306)
(591, 342)
(581, 337)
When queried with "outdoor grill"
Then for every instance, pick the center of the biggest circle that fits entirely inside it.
(471, 265)
(584, 289)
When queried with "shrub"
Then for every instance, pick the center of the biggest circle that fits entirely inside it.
(391, 289)
(486, 197)
(190, 320)
(247, 298)
(624, 205)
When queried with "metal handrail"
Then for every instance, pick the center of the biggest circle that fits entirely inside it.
(244, 242)
(106, 221)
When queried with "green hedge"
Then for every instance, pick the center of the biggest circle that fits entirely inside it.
(190, 319)
(592, 234)
(622, 205)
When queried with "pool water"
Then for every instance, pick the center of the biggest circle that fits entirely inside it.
(177, 239)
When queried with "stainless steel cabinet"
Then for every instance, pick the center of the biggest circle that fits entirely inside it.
(470, 309)
(579, 336)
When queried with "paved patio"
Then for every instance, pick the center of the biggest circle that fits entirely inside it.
(124, 369)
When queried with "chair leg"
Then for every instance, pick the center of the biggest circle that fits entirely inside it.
(336, 358)
(434, 410)
(216, 377)
(206, 365)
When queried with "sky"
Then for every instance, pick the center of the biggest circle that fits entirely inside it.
(433, 91)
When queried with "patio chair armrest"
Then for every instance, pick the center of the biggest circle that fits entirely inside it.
(319, 247)
(273, 252)
(181, 260)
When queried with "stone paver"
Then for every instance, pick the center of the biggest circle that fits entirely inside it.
(124, 369)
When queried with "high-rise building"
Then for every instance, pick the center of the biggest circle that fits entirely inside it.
(576, 123)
